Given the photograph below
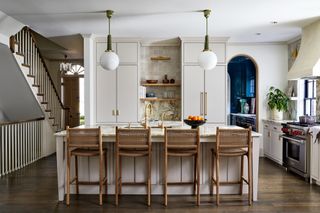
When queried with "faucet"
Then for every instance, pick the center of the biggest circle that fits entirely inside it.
(148, 107)
(163, 115)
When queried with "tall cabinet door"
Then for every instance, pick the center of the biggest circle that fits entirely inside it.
(106, 96)
(127, 88)
(215, 95)
(193, 87)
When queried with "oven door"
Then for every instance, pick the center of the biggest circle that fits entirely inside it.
(295, 153)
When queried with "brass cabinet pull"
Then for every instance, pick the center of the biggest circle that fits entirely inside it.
(205, 103)
(118, 112)
(113, 112)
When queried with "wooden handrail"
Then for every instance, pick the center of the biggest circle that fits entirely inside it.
(44, 64)
(21, 121)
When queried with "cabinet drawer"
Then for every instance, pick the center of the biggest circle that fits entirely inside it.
(276, 128)
(193, 49)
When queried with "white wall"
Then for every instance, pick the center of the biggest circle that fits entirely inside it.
(272, 62)
(8, 27)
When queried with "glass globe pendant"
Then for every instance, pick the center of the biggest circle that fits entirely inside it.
(109, 60)
(207, 59)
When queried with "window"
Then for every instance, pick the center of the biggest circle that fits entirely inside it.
(310, 97)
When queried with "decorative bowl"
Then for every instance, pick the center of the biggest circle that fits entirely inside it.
(194, 123)
(152, 81)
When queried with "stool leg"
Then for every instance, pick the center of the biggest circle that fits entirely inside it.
(198, 180)
(120, 175)
(68, 177)
(211, 174)
(149, 179)
(100, 178)
(165, 178)
(77, 177)
(217, 180)
(241, 175)
(117, 180)
(195, 176)
(250, 177)
(106, 171)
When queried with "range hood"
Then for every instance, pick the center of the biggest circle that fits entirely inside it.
(307, 63)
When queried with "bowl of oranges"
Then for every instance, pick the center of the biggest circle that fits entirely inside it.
(195, 121)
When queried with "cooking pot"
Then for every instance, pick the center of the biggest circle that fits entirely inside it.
(307, 119)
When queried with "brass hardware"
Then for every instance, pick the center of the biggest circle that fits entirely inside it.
(205, 103)
(113, 112)
(117, 112)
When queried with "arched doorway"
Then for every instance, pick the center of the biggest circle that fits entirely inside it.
(73, 100)
(243, 92)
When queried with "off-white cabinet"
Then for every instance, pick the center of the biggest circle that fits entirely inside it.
(314, 161)
(205, 93)
(117, 91)
(272, 141)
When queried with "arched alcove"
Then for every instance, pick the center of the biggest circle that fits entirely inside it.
(243, 91)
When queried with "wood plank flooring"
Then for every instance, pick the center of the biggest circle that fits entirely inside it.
(34, 189)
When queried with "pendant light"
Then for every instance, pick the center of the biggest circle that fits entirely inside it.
(207, 59)
(109, 60)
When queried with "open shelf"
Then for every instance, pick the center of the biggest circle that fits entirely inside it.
(160, 85)
(159, 99)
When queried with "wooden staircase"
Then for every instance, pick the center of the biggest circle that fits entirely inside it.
(33, 67)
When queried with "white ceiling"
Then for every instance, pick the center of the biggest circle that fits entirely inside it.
(238, 19)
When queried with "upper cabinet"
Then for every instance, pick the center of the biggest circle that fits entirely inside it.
(192, 50)
(204, 92)
(117, 91)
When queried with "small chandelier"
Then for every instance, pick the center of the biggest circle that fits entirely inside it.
(109, 60)
(207, 59)
(65, 66)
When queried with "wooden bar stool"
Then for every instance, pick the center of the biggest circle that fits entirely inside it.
(85, 143)
(132, 143)
(232, 143)
(182, 143)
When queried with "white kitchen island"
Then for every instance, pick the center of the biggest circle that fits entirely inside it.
(179, 170)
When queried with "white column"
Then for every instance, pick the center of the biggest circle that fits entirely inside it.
(89, 78)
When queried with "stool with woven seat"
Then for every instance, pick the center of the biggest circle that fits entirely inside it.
(182, 143)
(232, 143)
(86, 142)
(132, 143)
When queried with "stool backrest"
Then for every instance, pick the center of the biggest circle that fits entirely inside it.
(233, 138)
(133, 136)
(182, 137)
(84, 137)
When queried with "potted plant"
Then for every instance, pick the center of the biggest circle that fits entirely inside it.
(278, 102)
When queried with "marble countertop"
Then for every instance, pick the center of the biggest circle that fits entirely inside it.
(205, 130)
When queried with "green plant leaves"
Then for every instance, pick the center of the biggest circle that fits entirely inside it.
(277, 99)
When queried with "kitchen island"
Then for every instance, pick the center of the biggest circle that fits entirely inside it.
(134, 169)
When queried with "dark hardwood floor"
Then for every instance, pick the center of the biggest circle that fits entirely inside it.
(34, 189)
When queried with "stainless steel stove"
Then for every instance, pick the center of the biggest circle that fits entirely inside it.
(296, 148)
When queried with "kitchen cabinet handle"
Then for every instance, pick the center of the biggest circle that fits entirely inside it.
(118, 112)
(201, 103)
(205, 103)
(274, 127)
(113, 112)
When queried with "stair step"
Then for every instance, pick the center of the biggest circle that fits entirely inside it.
(21, 54)
(47, 110)
(44, 102)
(26, 65)
(40, 94)
(35, 85)
(51, 117)
(31, 76)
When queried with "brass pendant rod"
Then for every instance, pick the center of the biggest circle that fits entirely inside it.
(109, 40)
(206, 40)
